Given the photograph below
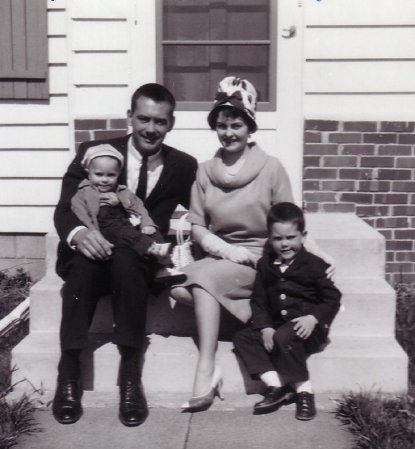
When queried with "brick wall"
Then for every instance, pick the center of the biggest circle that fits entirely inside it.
(367, 168)
(99, 129)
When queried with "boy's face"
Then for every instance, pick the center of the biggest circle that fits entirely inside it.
(286, 240)
(103, 173)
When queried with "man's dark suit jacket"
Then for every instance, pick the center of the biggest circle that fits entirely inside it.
(303, 289)
(172, 188)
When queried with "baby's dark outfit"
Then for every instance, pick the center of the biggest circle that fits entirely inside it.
(278, 297)
(113, 220)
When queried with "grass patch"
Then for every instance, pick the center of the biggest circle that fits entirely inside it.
(377, 422)
(16, 417)
(383, 422)
(14, 288)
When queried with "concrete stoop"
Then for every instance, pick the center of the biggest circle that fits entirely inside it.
(362, 354)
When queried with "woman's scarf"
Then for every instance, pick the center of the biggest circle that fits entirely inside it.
(254, 163)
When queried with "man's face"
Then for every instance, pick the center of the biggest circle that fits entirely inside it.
(286, 240)
(150, 122)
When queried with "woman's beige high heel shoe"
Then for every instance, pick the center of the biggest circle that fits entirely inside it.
(204, 401)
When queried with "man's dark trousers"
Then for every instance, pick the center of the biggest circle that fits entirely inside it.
(125, 276)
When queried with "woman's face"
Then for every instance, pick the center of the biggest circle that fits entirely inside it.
(232, 132)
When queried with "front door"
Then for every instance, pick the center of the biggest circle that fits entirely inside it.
(190, 45)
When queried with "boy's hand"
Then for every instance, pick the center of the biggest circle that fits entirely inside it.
(304, 325)
(268, 338)
(148, 230)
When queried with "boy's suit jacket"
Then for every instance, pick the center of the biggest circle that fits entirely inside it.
(303, 289)
(173, 188)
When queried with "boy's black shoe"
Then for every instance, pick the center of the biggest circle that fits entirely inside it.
(306, 408)
(273, 399)
(66, 406)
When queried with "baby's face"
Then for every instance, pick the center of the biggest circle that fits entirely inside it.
(103, 172)
(286, 240)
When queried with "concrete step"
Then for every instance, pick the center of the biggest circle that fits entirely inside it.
(347, 363)
(368, 309)
(357, 248)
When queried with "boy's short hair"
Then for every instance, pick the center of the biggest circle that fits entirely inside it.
(283, 212)
(155, 92)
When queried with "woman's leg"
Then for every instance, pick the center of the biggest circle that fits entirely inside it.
(182, 295)
(207, 311)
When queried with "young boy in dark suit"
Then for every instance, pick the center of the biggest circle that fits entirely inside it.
(293, 305)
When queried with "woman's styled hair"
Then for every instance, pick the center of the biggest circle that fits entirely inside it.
(283, 212)
(155, 92)
(231, 112)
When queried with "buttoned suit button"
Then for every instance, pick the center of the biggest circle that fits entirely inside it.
(283, 296)
(282, 279)
(283, 312)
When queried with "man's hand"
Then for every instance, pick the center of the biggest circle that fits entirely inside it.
(92, 244)
(268, 338)
(148, 230)
(304, 325)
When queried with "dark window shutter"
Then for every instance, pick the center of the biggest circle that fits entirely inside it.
(23, 49)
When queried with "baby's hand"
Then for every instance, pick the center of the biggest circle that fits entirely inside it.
(109, 198)
(148, 230)
(268, 338)
(304, 325)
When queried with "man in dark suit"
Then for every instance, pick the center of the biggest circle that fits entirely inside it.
(162, 177)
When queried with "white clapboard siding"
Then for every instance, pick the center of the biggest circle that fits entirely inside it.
(92, 35)
(26, 219)
(58, 83)
(95, 102)
(34, 136)
(198, 120)
(54, 112)
(100, 68)
(360, 12)
(101, 9)
(56, 4)
(57, 22)
(360, 76)
(29, 192)
(36, 164)
(57, 47)
(360, 43)
(394, 107)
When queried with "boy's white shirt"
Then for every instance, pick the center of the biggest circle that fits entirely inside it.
(154, 168)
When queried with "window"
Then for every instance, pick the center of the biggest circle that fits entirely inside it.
(203, 41)
(23, 50)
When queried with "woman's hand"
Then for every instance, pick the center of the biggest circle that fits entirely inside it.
(241, 255)
(268, 338)
(304, 325)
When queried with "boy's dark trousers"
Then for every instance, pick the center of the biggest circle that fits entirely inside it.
(288, 357)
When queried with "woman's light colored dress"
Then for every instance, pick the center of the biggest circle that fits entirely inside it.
(234, 208)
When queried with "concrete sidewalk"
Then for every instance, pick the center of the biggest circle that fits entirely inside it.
(225, 425)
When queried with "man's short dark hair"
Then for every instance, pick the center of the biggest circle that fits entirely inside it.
(283, 212)
(155, 92)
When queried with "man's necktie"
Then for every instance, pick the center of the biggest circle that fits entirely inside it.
(142, 180)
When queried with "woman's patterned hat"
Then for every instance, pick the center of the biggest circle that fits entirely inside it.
(238, 93)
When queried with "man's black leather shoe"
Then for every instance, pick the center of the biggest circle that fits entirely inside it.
(66, 405)
(273, 399)
(306, 408)
(133, 404)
